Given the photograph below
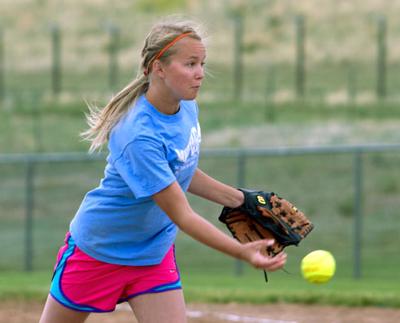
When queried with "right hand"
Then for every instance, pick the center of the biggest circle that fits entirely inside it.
(252, 252)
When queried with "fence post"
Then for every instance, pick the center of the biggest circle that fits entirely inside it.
(2, 67)
(37, 120)
(241, 182)
(358, 200)
(351, 83)
(56, 57)
(113, 47)
(269, 93)
(381, 58)
(29, 205)
(238, 51)
(300, 56)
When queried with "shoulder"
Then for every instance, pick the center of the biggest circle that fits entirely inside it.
(190, 105)
(136, 126)
(190, 111)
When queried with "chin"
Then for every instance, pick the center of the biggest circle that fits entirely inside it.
(189, 97)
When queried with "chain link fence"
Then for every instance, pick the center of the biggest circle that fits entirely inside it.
(349, 192)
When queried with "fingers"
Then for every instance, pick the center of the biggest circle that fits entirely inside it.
(253, 253)
(272, 263)
(276, 262)
(261, 261)
(263, 243)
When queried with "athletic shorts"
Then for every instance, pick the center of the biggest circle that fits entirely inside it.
(83, 283)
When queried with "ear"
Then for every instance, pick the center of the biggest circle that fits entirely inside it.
(158, 69)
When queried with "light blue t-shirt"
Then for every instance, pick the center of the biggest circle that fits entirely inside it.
(118, 222)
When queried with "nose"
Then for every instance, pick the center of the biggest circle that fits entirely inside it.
(200, 72)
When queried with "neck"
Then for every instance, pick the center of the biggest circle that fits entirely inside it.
(163, 102)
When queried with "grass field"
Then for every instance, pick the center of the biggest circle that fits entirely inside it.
(59, 188)
(248, 288)
(26, 127)
(322, 185)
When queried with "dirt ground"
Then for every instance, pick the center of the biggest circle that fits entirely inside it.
(24, 312)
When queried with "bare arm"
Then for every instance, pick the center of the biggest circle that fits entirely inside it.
(173, 201)
(209, 188)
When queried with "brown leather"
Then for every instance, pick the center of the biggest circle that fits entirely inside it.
(283, 214)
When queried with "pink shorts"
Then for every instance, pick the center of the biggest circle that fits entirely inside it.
(83, 283)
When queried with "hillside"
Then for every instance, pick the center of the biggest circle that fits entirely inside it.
(336, 30)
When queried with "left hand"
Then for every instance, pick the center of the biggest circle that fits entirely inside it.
(252, 253)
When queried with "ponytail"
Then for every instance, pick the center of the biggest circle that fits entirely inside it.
(101, 121)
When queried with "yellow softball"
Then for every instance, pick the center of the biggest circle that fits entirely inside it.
(318, 266)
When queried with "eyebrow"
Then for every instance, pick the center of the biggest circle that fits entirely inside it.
(196, 57)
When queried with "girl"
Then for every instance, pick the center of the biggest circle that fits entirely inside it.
(120, 246)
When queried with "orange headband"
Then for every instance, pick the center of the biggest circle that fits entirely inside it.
(166, 47)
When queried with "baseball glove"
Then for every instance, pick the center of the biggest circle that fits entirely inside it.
(264, 216)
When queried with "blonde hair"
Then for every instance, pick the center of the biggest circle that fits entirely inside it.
(102, 121)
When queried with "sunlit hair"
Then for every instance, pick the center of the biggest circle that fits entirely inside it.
(102, 121)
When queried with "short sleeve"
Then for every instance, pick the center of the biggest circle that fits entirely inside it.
(144, 167)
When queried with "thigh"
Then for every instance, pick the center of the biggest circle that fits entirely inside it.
(166, 307)
(84, 284)
(55, 312)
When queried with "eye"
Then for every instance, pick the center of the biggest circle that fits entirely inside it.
(195, 63)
